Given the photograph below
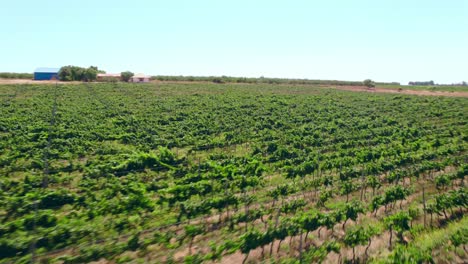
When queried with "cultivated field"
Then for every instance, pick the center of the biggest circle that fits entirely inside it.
(230, 173)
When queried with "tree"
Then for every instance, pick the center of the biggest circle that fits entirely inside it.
(126, 75)
(369, 83)
(425, 83)
(75, 73)
(90, 74)
(65, 74)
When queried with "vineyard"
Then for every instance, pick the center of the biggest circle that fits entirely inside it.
(230, 173)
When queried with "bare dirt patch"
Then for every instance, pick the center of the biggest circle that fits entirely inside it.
(27, 81)
(402, 91)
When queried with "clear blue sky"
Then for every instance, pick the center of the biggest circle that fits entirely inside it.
(386, 40)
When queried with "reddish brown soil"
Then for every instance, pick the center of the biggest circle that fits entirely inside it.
(26, 81)
(403, 91)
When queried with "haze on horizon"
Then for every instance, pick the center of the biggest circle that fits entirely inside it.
(341, 40)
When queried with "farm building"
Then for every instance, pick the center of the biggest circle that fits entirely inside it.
(140, 78)
(101, 77)
(45, 74)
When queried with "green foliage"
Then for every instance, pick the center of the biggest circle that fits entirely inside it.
(358, 235)
(427, 83)
(451, 199)
(325, 195)
(261, 80)
(192, 230)
(75, 73)
(251, 240)
(139, 161)
(368, 83)
(217, 250)
(347, 187)
(462, 171)
(442, 181)
(134, 242)
(193, 259)
(408, 255)
(460, 237)
(126, 76)
(11, 248)
(310, 221)
(44, 219)
(399, 221)
(319, 254)
(352, 210)
(14, 75)
(395, 193)
(90, 74)
(374, 182)
(56, 199)
(121, 158)
(376, 202)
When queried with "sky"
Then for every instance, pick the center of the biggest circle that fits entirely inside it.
(385, 40)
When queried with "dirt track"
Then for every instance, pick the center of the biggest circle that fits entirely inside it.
(403, 91)
(27, 81)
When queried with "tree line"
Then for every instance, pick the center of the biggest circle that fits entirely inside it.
(422, 83)
(463, 83)
(253, 80)
(15, 75)
(75, 73)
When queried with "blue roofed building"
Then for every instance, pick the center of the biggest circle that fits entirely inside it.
(43, 74)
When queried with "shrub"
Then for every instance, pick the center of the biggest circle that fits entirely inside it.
(369, 83)
(126, 76)
(218, 80)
